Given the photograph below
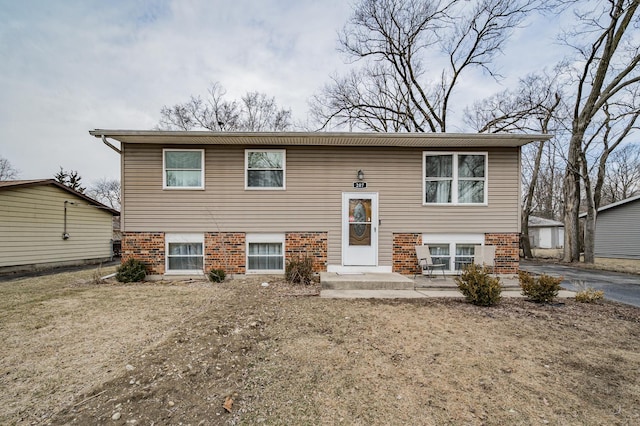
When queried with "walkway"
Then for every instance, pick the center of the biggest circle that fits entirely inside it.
(396, 286)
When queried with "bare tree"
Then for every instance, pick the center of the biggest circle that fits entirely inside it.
(608, 55)
(7, 171)
(106, 191)
(535, 105)
(414, 54)
(253, 112)
(622, 179)
(613, 130)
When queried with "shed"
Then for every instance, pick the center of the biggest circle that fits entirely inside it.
(618, 230)
(44, 224)
(545, 233)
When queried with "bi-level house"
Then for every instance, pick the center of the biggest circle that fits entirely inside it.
(248, 202)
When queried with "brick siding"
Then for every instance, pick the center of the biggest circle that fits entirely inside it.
(147, 247)
(404, 253)
(226, 251)
(312, 244)
(507, 251)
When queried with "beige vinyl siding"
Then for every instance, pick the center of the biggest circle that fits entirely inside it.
(316, 177)
(32, 223)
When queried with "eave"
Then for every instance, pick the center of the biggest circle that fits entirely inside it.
(423, 140)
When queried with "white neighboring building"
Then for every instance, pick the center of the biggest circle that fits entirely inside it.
(546, 233)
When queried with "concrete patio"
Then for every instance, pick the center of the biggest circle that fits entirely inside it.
(396, 286)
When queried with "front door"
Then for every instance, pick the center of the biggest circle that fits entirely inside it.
(360, 229)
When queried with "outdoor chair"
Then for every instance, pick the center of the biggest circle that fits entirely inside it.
(485, 256)
(425, 264)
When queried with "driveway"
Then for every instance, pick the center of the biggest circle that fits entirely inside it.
(620, 287)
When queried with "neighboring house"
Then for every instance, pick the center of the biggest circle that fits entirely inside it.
(354, 202)
(545, 233)
(44, 224)
(618, 230)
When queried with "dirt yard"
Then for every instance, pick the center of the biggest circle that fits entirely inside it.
(79, 352)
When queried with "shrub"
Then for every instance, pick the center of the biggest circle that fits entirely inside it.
(542, 289)
(589, 295)
(217, 275)
(478, 286)
(131, 271)
(299, 271)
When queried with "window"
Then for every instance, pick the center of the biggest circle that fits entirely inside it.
(454, 250)
(455, 178)
(265, 253)
(183, 169)
(184, 253)
(265, 169)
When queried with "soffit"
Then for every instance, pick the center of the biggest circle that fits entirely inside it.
(460, 140)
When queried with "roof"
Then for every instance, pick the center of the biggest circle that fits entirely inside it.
(616, 204)
(10, 184)
(540, 222)
(457, 140)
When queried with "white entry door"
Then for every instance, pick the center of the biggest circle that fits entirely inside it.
(360, 229)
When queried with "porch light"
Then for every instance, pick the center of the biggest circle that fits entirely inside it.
(360, 175)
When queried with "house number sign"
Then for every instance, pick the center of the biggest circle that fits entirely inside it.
(359, 185)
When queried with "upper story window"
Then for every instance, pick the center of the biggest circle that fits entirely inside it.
(183, 168)
(455, 178)
(265, 169)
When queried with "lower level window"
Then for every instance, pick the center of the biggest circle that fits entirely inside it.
(265, 253)
(185, 252)
(455, 251)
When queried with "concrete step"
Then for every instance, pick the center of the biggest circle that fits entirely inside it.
(365, 281)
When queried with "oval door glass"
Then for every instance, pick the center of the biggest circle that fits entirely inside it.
(359, 222)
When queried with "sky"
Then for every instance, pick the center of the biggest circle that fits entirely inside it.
(70, 66)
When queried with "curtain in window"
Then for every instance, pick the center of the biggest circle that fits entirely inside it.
(464, 255)
(438, 178)
(183, 168)
(265, 256)
(471, 178)
(185, 256)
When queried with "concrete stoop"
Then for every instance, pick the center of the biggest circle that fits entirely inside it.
(365, 281)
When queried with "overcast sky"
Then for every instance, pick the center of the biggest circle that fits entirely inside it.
(69, 66)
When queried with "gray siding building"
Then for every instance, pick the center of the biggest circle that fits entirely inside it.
(618, 230)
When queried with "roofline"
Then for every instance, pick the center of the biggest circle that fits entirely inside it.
(314, 138)
(616, 204)
(40, 182)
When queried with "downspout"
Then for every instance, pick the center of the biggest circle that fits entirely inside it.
(110, 145)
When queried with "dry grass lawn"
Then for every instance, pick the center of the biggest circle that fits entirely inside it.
(79, 352)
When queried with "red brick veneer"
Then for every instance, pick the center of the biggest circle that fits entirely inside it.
(312, 244)
(226, 251)
(404, 252)
(507, 251)
(147, 247)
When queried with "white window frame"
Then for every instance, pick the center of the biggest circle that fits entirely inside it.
(182, 238)
(269, 239)
(265, 188)
(452, 240)
(164, 169)
(455, 178)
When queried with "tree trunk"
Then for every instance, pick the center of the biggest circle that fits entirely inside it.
(571, 193)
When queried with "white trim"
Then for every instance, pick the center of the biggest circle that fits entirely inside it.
(265, 188)
(264, 238)
(164, 170)
(455, 179)
(452, 240)
(182, 238)
(344, 217)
